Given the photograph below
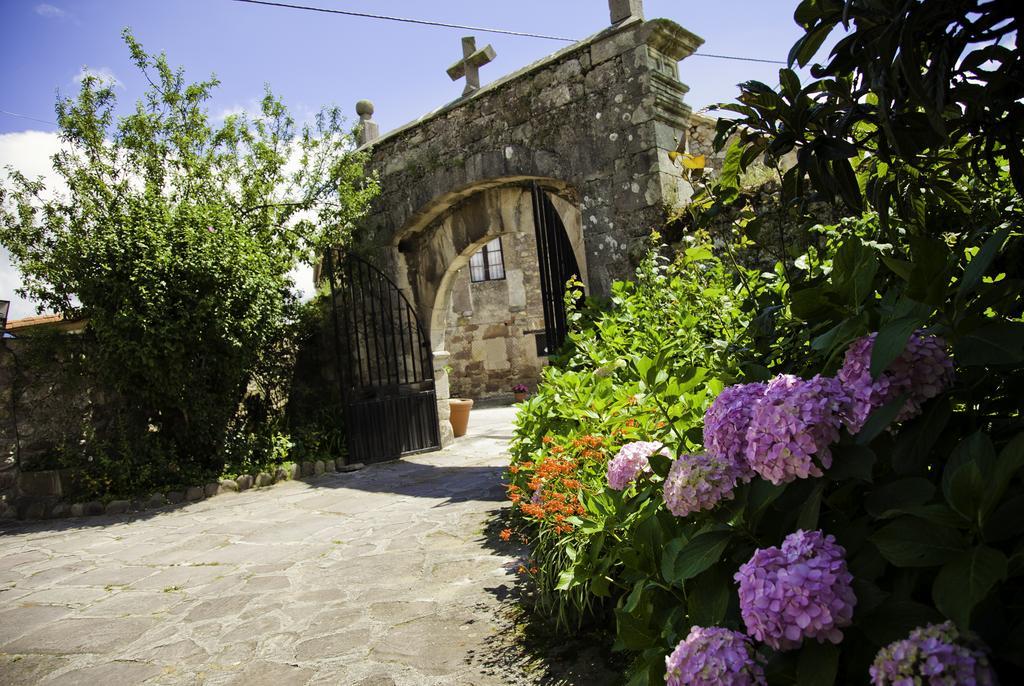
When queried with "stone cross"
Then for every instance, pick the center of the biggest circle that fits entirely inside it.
(469, 65)
(624, 9)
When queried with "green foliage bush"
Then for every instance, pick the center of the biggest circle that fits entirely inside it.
(176, 239)
(679, 328)
(909, 130)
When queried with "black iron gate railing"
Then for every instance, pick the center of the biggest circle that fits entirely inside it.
(385, 367)
(557, 263)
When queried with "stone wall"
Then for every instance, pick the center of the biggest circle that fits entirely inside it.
(492, 325)
(46, 402)
(593, 123)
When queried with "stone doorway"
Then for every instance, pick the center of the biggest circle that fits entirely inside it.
(489, 317)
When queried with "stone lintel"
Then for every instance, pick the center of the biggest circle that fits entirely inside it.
(671, 39)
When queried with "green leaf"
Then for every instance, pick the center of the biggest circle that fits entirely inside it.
(896, 496)
(818, 664)
(1010, 461)
(808, 518)
(730, 174)
(964, 481)
(892, 340)
(852, 461)
(998, 343)
(1006, 521)
(790, 83)
(900, 268)
(805, 48)
(631, 632)
(980, 263)
(965, 581)
(893, 620)
(708, 596)
(913, 542)
(918, 437)
(701, 552)
(566, 580)
(880, 419)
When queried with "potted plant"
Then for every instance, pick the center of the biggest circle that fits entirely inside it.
(520, 390)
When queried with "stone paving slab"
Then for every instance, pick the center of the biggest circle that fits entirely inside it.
(378, 577)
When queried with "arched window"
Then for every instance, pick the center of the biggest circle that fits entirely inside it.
(487, 264)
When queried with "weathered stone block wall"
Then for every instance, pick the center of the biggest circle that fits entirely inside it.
(46, 403)
(492, 325)
(595, 122)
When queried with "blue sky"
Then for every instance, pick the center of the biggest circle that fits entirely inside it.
(312, 59)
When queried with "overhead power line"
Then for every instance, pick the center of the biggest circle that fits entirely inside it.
(481, 29)
(25, 116)
(407, 20)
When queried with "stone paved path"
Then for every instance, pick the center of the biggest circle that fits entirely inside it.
(378, 577)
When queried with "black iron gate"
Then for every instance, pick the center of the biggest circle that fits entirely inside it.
(557, 263)
(385, 367)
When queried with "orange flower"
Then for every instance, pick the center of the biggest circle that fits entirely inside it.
(514, 468)
(546, 440)
(506, 534)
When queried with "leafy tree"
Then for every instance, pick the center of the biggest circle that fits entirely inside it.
(176, 238)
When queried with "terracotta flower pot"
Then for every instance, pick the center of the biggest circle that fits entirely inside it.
(520, 397)
(460, 415)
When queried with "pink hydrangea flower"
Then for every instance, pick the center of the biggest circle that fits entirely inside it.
(726, 422)
(921, 372)
(698, 482)
(713, 657)
(795, 422)
(630, 461)
(799, 590)
(932, 656)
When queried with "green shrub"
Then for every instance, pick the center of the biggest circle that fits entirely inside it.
(907, 131)
(176, 239)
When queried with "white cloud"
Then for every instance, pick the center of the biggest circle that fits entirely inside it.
(104, 75)
(29, 152)
(50, 12)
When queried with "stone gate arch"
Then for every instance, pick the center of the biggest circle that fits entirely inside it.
(595, 124)
(427, 254)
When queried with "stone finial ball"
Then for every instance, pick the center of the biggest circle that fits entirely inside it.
(364, 108)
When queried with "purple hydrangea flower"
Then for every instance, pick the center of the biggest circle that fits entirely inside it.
(698, 482)
(795, 421)
(931, 656)
(630, 461)
(922, 371)
(801, 590)
(726, 422)
(711, 657)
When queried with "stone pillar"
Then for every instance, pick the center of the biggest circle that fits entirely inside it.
(622, 10)
(441, 388)
(368, 129)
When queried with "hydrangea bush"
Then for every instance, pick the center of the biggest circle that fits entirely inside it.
(934, 655)
(796, 591)
(872, 390)
(793, 426)
(699, 482)
(714, 657)
(630, 462)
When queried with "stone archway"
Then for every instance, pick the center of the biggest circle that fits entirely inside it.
(428, 259)
(428, 256)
